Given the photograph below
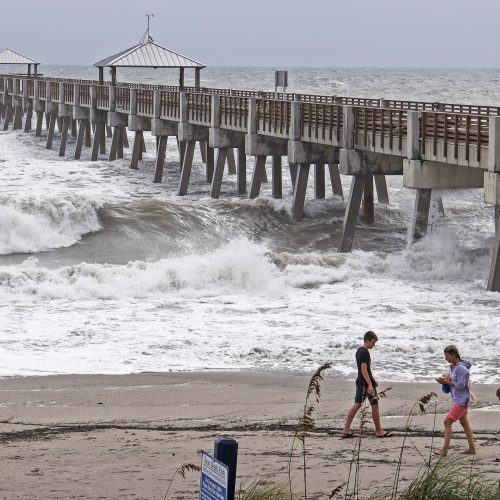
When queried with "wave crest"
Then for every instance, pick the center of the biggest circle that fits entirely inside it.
(33, 225)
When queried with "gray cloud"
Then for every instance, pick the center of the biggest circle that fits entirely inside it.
(437, 33)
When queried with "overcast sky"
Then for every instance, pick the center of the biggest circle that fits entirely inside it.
(278, 33)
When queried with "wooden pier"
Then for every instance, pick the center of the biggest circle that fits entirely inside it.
(431, 145)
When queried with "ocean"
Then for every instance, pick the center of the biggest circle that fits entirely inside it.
(103, 271)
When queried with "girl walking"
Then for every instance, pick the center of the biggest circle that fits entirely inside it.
(458, 382)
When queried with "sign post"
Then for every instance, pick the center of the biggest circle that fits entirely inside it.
(280, 80)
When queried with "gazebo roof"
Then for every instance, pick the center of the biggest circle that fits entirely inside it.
(148, 54)
(8, 56)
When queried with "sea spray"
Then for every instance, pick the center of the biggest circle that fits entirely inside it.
(34, 225)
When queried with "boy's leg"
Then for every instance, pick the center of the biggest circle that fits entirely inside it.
(376, 420)
(350, 417)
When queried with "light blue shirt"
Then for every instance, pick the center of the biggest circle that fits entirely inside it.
(460, 394)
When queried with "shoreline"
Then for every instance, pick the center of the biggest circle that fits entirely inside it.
(123, 436)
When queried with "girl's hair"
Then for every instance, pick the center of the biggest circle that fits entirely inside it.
(452, 349)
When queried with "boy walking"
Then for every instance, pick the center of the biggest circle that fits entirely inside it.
(366, 386)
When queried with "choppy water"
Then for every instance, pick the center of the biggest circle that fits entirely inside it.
(102, 271)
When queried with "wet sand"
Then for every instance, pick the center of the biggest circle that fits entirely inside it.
(123, 436)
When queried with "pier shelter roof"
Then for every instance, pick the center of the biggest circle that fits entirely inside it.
(149, 54)
(8, 56)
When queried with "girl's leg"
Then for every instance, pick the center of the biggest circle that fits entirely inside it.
(464, 422)
(447, 438)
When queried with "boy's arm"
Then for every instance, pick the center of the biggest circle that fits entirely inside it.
(364, 372)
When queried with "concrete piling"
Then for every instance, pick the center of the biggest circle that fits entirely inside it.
(352, 212)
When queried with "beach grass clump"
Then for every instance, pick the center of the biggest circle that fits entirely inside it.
(181, 471)
(307, 423)
(262, 489)
(449, 479)
(421, 404)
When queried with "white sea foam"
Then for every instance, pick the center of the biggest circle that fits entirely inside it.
(34, 225)
(239, 267)
(278, 298)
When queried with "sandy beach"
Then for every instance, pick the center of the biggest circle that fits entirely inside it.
(123, 436)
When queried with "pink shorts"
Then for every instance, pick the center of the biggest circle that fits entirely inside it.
(457, 412)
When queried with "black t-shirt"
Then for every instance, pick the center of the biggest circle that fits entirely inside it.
(363, 356)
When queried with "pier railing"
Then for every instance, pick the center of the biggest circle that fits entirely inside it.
(199, 108)
(122, 103)
(273, 117)
(321, 122)
(380, 129)
(233, 113)
(170, 108)
(451, 133)
(53, 91)
(85, 99)
(145, 102)
(455, 138)
(102, 96)
(69, 93)
(30, 88)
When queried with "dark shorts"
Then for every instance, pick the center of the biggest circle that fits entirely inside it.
(361, 395)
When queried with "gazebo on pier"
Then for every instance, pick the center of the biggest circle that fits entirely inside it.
(149, 54)
(8, 56)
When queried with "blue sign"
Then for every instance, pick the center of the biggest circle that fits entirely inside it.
(213, 479)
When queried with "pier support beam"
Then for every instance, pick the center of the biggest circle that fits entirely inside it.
(80, 137)
(116, 148)
(277, 177)
(368, 201)
(209, 162)
(257, 176)
(218, 172)
(333, 170)
(98, 138)
(241, 171)
(18, 115)
(160, 157)
(494, 277)
(50, 133)
(226, 140)
(299, 193)
(137, 149)
(161, 129)
(420, 217)
(117, 122)
(293, 167)
(319, 181)
(231, 164)
(186, 167)
(39, 123)
(64, 135)
(352, 212)
(381, 187)
(9, 115)
(98, 120)
(27, 123)
(492, 196)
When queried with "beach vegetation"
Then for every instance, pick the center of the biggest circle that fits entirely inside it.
(181, 471)
(353, 486)
(421, 404)
(262, 489)
(450, 478)
(306, 423)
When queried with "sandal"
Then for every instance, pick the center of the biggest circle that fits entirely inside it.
(347, 436)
